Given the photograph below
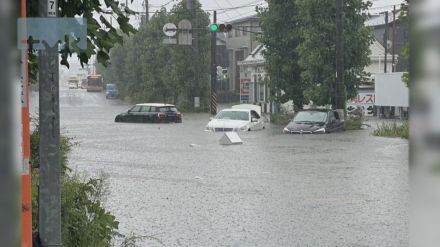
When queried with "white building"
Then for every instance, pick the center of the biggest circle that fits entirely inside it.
(253, 81)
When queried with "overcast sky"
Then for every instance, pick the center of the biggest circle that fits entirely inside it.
(231, 14)
(230, 9)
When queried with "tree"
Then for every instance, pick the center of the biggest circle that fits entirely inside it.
(102, 36)
(148, 70)
(317, 50)
(299, 37)
(281, 36)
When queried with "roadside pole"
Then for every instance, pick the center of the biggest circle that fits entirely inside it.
(26, 190)
(214, 69)
(49, 220)
(394, 41)
(9, 124)
(385, 43)
(340, 87)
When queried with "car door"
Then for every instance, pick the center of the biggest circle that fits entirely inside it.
(256, 121)
(144, 114)
(133, 114)
(335, 121)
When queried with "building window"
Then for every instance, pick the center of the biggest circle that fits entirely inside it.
(245, 31)
(237, 33)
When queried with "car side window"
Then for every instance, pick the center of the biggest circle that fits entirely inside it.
(255, 115)
(145, 109)
(136, 108)
(153, 109)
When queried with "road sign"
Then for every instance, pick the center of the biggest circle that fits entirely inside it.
(185, 35)
(170, 29)
(170, 41)
(52, 6)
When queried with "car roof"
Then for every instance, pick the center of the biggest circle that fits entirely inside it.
(316, 110)
(155, 104)
(243, 110)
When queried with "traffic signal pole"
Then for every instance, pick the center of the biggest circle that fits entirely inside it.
(49, 213)
(214, 69)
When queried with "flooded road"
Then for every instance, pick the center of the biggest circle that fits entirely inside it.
(176, 183)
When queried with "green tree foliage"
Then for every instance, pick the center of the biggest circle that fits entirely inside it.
(299, 36)
(318, 51)
(102, 36)
(280, 24)
(145, 69)
(84, 220)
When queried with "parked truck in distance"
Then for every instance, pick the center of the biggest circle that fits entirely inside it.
(94, 83)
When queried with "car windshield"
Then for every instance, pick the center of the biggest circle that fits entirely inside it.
(310, 116)
(233, 115)
(111, 87)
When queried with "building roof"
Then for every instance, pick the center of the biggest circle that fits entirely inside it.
(379, 19)
(255, 57)
(377, 50)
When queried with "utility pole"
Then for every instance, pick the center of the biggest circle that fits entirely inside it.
(26, 183)
(340, 87)
(9, 179)
(50, 170)
(214, 69)
(385, 43)
(147, 14)
(191, 6)
(394, 40)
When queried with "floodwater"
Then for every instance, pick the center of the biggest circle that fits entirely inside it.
(176, 184)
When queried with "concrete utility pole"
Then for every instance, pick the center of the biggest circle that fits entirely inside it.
(339, 102)
(147, 14)
(214, 69)
(394, 40)
(191, 6)
(385, 43)
(50, 170)
(9, 178)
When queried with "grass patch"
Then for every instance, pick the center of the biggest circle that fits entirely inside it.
(354, 123)
(392, 130)
(281, 118)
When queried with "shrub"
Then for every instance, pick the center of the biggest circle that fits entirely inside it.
(392, 130)
(354, 123)
(281, 118)
(84, 221)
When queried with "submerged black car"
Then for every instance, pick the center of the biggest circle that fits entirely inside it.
(151, 113)
(315, 121)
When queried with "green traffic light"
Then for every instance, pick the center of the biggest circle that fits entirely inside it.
(213, 27)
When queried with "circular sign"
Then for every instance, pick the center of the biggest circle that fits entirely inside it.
(170, 29)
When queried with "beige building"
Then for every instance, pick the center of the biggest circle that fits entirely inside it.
(240, 42)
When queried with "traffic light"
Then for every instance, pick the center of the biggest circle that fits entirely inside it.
(222, 28)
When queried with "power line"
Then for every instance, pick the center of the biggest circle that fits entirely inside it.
(251, 4)
(220, 7)
(205, 10)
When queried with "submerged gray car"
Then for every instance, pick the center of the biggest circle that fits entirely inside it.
(315, 121)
